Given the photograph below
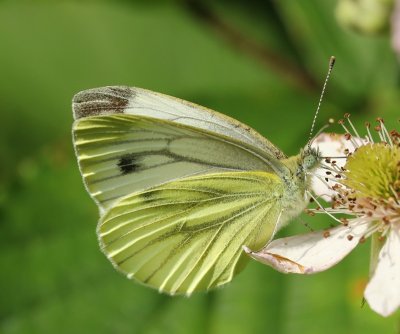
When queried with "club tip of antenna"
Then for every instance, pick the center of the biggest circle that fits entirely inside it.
(332, 60)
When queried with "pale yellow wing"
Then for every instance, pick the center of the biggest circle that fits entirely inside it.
(187, 235)
(119, 154)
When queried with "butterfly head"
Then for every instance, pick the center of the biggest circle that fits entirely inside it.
(310, 159)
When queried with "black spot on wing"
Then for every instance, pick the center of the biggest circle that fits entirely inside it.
(101, 101)
(128, 163)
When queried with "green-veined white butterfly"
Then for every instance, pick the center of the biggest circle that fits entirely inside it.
(181, 188)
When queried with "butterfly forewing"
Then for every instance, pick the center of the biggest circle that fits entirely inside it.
(142, 102)
(187, 235)
(119, 154)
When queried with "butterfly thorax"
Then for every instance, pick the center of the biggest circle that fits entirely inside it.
(296, 177)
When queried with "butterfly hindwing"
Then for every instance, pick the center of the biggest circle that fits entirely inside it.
(187, 235)
(119, 154)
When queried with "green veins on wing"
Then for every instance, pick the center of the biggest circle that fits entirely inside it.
(187, 235)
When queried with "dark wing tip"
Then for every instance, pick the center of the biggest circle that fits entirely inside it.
(101, 101)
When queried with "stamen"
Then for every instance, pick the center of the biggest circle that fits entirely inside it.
(386, 133)
(335, 168)
(348, 134)
(326, 180)
(371, 139)
(384, 233)
(396, 197)
(352, 126)
(378, 129)
(395, 136)
(319, 204)
(328, 168)
(396, 221)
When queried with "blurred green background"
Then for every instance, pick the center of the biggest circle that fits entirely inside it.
(262, 62)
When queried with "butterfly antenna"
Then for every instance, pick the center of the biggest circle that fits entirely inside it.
(331, 63)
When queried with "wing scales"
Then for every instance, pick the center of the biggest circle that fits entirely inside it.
(120, 154)
(187, 235)
(142, 102)
(211, 275)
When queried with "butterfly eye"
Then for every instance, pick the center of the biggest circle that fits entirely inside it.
(310, 159)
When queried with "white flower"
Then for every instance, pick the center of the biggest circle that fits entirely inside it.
(331, 145)
(365, 189)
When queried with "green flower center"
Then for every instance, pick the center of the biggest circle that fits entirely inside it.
(374, 171)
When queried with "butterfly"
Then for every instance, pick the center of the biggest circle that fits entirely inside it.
(182, 189)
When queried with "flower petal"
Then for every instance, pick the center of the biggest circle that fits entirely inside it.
(312, 252)
(330, 145)
(396, 28)
(383, 290)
